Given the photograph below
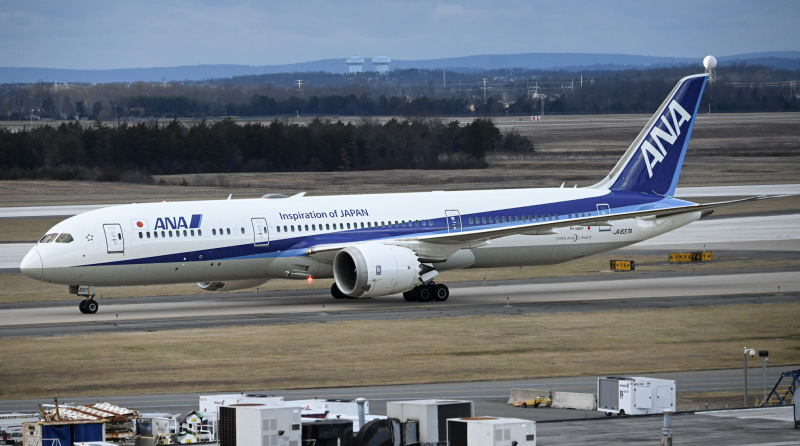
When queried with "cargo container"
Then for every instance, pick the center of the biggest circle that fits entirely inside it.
(635, 395)
(431, 415)
(259, 425)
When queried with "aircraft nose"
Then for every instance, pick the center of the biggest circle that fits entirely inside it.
(31, 264)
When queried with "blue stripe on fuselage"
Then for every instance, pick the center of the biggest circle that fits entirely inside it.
(618, 201)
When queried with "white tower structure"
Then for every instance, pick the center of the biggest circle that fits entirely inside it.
(355, 64)
(710, 64)
(381, 64)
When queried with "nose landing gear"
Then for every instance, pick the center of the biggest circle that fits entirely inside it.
(88, 305)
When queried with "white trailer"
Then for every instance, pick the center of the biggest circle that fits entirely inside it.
(209, 404)
(635, 395)
(490, 431)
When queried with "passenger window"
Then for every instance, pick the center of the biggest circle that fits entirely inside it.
(141, 235)
(177, 233)
(279, 229)
(67, 238)
(306, 227)
(213, 231)
(229, 231)
(148, 234)
(155, 234)
(292, 228)
(163, 234)
(242, 230)
(170, 233)
(199, 232)
(191, 232)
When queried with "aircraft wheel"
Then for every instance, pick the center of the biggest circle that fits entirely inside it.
(91, 306)
(82, 306)
(337, 293)
(424, 293)
(441, 292)
(409, 296)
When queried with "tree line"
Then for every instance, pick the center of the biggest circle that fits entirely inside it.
(406, 93)
(134, 152)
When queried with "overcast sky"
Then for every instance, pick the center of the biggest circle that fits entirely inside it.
(97, 34)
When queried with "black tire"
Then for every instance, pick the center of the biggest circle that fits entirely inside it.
(621, 412)
(441, 293)
(424, 293)
(409, 296)
(92, 306)
(524, 405)
(337, 293)
(82, 306)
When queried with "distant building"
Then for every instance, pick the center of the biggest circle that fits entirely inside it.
(355, 64)
(381, 64)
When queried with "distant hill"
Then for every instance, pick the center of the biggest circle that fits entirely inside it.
(543, 61)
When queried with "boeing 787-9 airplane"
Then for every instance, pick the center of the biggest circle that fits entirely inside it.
(381, 244)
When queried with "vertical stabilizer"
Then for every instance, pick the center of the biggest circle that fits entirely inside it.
(653, 162)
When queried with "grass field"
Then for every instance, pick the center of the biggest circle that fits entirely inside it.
(386, 352)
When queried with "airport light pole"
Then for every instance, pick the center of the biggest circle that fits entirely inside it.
(751, 352)
(764, 354)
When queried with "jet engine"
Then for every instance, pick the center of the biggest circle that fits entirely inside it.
(375, 269)
(233, 285)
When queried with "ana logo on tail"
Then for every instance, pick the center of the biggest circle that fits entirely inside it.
(659, 134)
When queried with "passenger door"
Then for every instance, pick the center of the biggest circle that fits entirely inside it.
(114, 241)
(260, 232)
(453, 218)
(603, 209)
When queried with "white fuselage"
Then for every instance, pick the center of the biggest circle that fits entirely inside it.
(264, 238)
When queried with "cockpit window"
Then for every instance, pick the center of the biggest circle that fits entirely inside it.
(64, 238)
(47, 238)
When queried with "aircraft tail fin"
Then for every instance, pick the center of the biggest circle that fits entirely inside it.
(652, 163)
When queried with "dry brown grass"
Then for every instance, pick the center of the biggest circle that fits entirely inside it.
(410, 351)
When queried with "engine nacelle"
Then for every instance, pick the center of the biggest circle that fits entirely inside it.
(375, 269)
(233, 285)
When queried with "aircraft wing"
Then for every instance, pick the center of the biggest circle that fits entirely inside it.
(551, 227)
(475, 237)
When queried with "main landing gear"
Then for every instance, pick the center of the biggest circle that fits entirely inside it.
(428, 292)
(420, 293)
